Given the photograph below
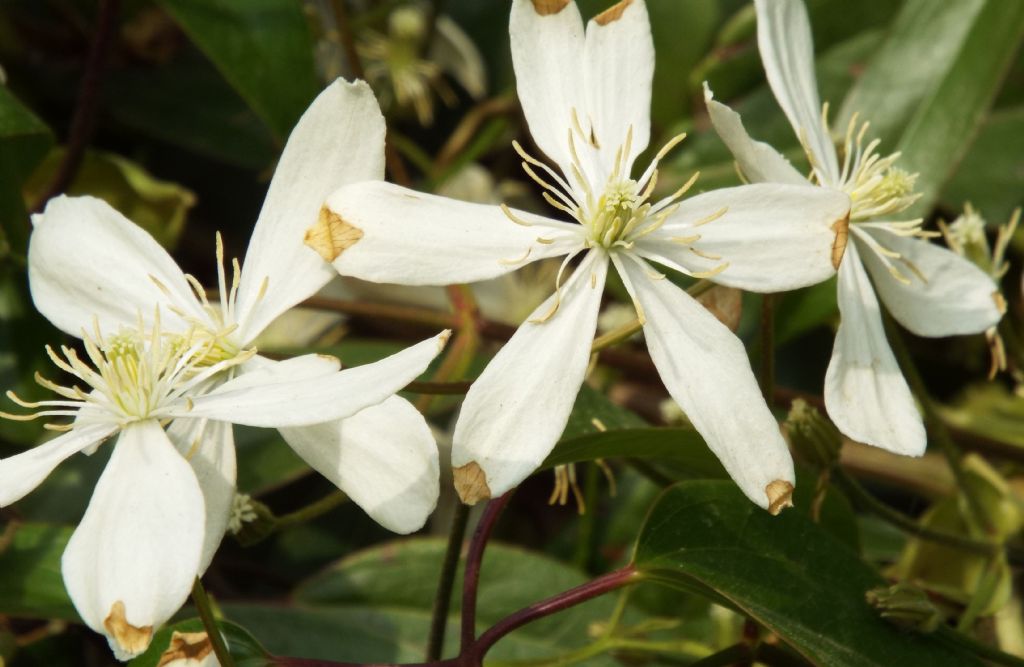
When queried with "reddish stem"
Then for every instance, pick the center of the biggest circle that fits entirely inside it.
(474, 559)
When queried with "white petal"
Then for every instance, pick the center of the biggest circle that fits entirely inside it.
(955, 297)
(774, 237)
(313, 400)
(131, 562)
(21, 473)
(759, 162)
(706, 370)
(384, 458)
(547, 41)
(787, 51)
(260, 371)
(413, 238)
(86, 261)
(865, 393)
(209, 447)
(618, 58)
(516, 410)
(338, 140)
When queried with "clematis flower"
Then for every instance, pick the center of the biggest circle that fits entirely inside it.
(928, 289)
(586, 96)
(131, 562)
(91, 269)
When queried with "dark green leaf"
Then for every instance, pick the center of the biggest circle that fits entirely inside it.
(375, 606)
(919, 48)
(785, 572)
(30, 580)
(262, 47)
(991, 175)
(941, 131)
(24, 140)
(243, 647)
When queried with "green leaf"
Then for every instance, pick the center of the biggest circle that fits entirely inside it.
(991, 175)
(785, 572)
(31, 585)
(375, 606)
(159, 207)
(682, 446)
(262, 47)
(161, 102)
(24, 140)
(941, 131)
(243, 647)
(919, 48)
(593, 411)
(672, 88)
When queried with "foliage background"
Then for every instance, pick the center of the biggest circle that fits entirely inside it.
(195, 101)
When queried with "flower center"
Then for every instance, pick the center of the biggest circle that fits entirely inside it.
(875, 186)
(130, 376)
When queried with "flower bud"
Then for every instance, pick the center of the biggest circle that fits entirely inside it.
(906, 607)
(816, 439)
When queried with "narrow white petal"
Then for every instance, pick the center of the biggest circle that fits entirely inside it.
(338, 140)
(865, 393)
(313, 400)
(706, 370)
(454, 51)
(21, 473)
(618, 60)
(759, 162)
(774, 237)
(260, 371)
(383, 457)
(209, 447)
(516, 410)
(955, 296)
(86, 261)
(131, 562)
(787, 51)
(547, 41)
(412, 238)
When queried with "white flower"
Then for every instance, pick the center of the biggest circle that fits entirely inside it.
(586, 97)
(929, 290)
(131, 562)
(92, 270)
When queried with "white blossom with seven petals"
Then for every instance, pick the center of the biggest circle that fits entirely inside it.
(161, 507)
(928, 289)
(586, 96)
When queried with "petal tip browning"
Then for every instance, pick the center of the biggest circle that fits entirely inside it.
(125, 638)
(549, 7)
(331, 235)
(186, 646)
(613, 13)
(442, 339)
(471, 483)
(780, 496)
(842, 229)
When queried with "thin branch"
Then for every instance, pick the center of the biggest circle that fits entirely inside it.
(348, 40)
(202, 602)
(443, 597)
(83, 122)
(474, 559)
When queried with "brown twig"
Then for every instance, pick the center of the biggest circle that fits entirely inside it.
(83, 122)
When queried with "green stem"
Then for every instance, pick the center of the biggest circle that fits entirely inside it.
(936, 427)
(862, 497)
(202, 602)
(311, 511)
(766, 377)
(585, 536)
(735, 654)
(443, 597)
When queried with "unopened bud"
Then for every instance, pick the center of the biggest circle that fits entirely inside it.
(251, 521)
(906, 607)
(816, 439)
(407, 23)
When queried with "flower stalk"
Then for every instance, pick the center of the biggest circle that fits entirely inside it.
(205, 610)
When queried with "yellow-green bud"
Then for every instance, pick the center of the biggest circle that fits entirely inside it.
(816, 439)
(905, 606)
